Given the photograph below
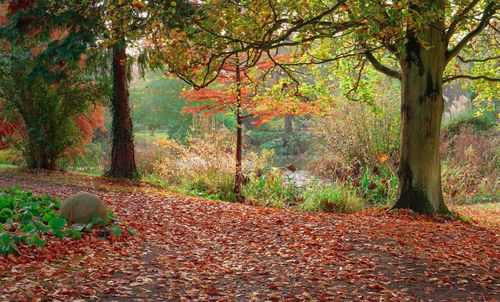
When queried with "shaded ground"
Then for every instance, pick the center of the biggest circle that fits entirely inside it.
(191, 249)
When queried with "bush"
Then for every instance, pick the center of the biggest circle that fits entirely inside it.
(204, 166)
(29, 219)
(355, 131)
(10, 157)
(271, 189)
(471, 167)
(158, 156)
(377, 185)
(477, 123)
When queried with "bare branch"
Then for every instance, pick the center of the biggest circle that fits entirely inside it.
(470, 77)
(355, 87)
(464, 60)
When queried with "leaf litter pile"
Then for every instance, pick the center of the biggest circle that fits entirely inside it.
(189, 249)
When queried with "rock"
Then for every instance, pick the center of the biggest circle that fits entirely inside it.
(81, 207)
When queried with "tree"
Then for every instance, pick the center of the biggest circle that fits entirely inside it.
(241, 89)
(44, 80)
(123, 25)
(416, 42)
(233, 92)
(130, 19)
(122, 152)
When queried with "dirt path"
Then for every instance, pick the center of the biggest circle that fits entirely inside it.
(191, 249)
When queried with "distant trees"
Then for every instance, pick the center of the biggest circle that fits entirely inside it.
(156, 105)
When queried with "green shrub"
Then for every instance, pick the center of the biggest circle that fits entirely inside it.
(476, 122)
(28, 219)
(47, 108)
(271, 189)
(377, 185)
(336, 198)
(10, 157)
(209, 184)
(356, 131)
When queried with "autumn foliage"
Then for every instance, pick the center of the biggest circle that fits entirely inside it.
(256, 82)
(86, 123)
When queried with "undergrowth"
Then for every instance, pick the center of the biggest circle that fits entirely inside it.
(29, 219)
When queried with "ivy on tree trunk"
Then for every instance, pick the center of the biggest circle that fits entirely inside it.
(238, 181)
(122, 154)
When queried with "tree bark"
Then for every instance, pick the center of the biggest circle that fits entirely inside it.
(122, 154)
(421, 112)
(288, 124)
(41, 159)
(238, 180)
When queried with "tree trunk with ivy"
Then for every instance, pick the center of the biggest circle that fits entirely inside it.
(421, 112)
(122, 154)
(238, 180)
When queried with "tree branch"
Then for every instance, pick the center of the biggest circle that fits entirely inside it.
(470, 77)
(464, 60)
(460, 18)
(488, 13)
(381, 67)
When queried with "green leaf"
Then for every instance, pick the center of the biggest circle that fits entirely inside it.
(132, 232)
(56, 224)
(41, 227)
(37, 241)
(48, 216)
(29, 227)
(5, 237)
(76, 235)
(115, 231)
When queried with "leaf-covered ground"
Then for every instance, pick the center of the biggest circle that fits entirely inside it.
(196, 250)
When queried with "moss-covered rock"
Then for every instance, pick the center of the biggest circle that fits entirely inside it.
(81, 207)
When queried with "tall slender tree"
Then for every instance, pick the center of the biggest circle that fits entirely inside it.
(233, 90)
(131, 22)
(122, 151)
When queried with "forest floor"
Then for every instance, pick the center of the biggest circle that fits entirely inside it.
(190, 249)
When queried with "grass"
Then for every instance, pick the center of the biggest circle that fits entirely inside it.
(6, 167)
(147, 135)
(332, 198)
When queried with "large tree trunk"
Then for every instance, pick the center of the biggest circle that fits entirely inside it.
(238, 180)
(122, 154)
(421, 111)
